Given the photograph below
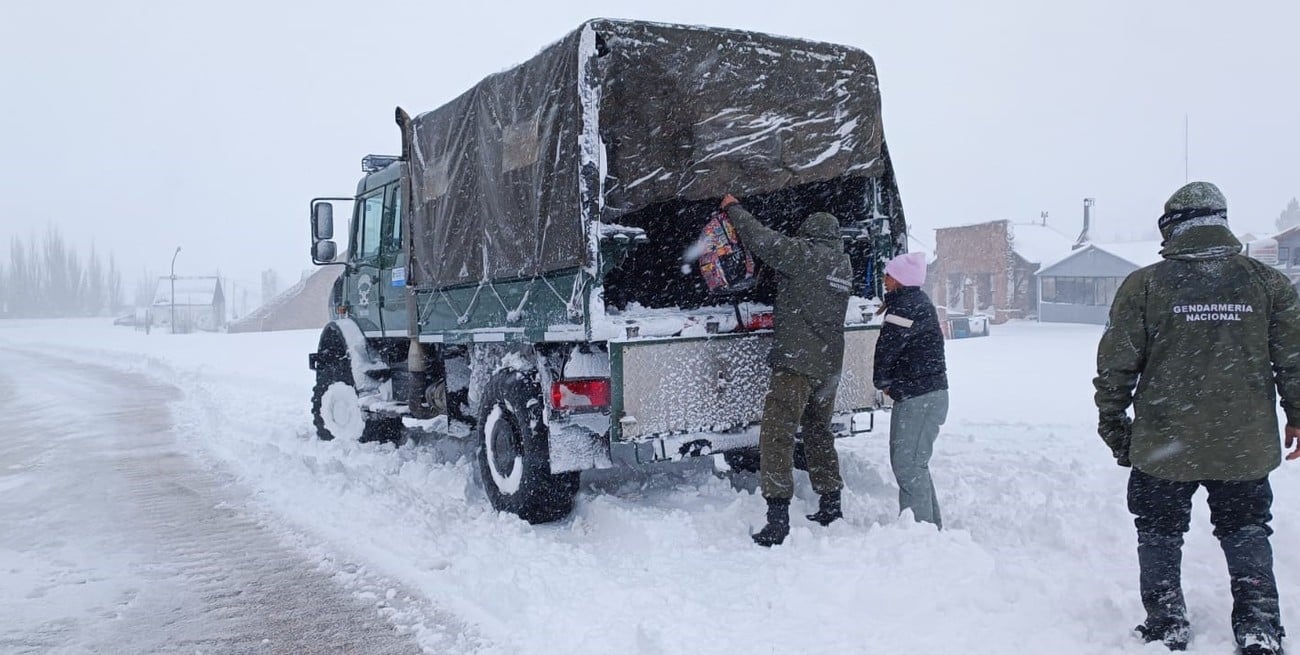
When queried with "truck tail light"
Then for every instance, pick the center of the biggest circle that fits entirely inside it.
(580, 393)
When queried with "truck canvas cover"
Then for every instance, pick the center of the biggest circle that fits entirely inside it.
(507, 179)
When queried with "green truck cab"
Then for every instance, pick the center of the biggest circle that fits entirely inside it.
(515, 278)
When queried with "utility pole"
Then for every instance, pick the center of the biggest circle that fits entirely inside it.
(173, 293)
(1187, 155)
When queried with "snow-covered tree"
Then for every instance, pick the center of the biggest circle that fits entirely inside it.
(1290, 217)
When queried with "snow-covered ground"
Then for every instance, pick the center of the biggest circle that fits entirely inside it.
(1037, 554)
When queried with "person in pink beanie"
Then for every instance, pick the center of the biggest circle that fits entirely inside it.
(908, 269)
(910, 368)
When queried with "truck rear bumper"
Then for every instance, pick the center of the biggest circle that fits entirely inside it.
(714, 384)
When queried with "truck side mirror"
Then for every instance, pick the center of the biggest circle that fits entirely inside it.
(322, 221)
(324, 252)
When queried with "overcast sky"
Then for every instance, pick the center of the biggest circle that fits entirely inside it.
(147, 125)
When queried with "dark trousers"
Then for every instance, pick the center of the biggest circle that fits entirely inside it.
(1240, 512)
(794, 401)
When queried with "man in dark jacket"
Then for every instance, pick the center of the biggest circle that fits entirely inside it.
(1200, 345)
(910, 368)
(813, 282)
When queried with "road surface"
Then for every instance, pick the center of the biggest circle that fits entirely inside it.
(117, 541)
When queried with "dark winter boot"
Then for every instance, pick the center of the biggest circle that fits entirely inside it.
(1256, 620)
(828, 509)
(1160, 560)
(1173, 632)
(1264, 638)
(778, 523)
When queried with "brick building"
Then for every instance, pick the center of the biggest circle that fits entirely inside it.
(989, 268)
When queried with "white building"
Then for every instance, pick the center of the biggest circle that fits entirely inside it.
(199, 304)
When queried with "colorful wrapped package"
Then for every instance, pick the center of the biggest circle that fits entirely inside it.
(725, 264)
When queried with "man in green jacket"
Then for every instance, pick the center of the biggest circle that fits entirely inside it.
(1201, 345)
(813, 283)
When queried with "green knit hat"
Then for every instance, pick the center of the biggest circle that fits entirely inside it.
(1197, 195)
(1198, 203)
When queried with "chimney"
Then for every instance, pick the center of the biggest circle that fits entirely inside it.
(1087, 223)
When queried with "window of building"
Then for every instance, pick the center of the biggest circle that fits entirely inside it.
(983, 290)
(1096, 291)
(1106, 287)
(956, 285)
(1048, 285)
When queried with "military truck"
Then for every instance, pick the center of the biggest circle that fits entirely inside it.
(516, 277)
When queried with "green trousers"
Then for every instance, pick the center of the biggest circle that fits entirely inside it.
(795, 400)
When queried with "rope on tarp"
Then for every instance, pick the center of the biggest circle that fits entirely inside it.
(572, 303)
(513, 314)
(462, 317)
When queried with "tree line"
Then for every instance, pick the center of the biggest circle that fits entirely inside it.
(47, 278)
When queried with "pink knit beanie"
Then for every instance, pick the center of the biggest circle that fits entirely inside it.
(908, 269)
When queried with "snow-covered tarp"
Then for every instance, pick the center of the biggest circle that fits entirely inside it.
(683, 113)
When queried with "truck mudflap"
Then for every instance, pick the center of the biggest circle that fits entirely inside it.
(717, 383)
(576, 445)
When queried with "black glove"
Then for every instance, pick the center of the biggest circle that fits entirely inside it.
(1117, 431)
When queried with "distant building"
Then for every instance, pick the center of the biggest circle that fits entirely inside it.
(1080, 287)
(1286, 251)
(305, 305)
(989, 268)
(1281, 251)
(199, 304)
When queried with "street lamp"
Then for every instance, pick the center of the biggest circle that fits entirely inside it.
(173, 294)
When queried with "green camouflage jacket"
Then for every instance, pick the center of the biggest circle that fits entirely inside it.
(1200, 345)
(814, 278)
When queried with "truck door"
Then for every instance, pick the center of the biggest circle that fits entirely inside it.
(360, 286)
(392, 257)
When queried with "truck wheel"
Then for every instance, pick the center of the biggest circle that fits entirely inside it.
(336, 409)
(514, 452)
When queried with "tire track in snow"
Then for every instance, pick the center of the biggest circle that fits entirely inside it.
(183, 569)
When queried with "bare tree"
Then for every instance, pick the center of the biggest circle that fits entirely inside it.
(46, 278)
(114, 286)
(93, 300)
(1290, 217)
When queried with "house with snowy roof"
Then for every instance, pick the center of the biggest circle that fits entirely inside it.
(1282, 250)
(1079, 287)
(988, 268)
(199, 304)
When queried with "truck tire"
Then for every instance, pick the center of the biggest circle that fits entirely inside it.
(336, 409)
(514, 451)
